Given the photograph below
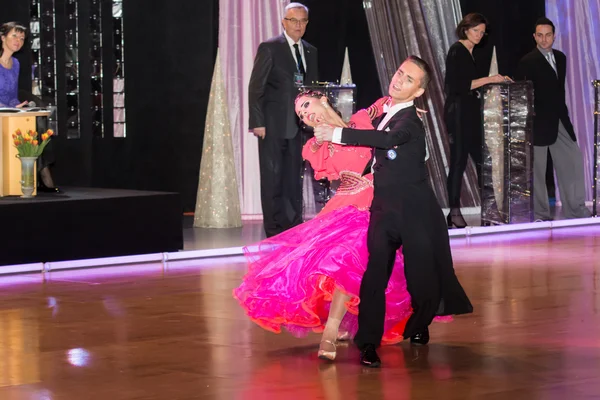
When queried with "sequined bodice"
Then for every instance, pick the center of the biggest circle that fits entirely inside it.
(353, 183)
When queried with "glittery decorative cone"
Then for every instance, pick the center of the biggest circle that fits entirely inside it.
(346, 78)
(495, 145)
(217, 202)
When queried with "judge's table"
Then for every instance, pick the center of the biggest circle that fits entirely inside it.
(10, 166)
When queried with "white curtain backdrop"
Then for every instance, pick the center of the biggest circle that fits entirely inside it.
(243, 25)
(577, 31)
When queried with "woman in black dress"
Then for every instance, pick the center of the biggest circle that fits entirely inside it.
(462, 111)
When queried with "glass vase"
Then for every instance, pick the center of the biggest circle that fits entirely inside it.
(27, 176)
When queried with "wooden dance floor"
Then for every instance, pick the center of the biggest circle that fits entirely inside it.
(173, 332)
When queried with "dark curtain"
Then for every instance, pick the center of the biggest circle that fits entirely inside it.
(335, 25)
(169, 59)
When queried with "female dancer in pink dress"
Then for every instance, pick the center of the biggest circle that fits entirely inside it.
(306, 278)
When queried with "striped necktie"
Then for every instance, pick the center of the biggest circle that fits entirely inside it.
(550, 58)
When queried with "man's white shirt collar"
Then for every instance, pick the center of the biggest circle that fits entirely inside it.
(391, 111)
(387, 108)
(291, 41)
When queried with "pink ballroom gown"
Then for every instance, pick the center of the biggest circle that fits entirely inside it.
(292, 276)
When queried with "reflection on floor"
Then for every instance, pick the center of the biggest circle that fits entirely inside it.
(173, 331)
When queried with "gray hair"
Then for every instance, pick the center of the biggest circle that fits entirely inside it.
(295, 5)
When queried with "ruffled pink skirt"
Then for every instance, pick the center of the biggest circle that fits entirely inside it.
(292, 277)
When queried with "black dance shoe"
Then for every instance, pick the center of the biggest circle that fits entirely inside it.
(420, 338)
(369, 357)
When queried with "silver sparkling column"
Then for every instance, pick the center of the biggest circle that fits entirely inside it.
(507, 170)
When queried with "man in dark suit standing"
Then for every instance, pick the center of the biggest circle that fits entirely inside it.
(552, 127)
(404, 212)
(282, 64)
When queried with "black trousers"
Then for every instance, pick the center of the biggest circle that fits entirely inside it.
(416, 223)
(280, 182)
(463, 122)
(466, 143)
(385, 236)
(47, 158)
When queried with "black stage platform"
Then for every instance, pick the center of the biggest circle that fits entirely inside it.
(86, 223)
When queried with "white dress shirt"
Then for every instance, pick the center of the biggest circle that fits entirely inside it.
(291, 43)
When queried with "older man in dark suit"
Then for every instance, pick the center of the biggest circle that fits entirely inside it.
(282, 65)
(552, 127)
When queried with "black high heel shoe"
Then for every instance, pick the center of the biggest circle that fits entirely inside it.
(456, 221)
(45, 189)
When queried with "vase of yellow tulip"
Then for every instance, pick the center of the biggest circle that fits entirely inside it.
(29, 149)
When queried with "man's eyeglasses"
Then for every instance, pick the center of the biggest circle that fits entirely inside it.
(297, 21)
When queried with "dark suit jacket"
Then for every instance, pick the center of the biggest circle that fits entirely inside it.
(403, 194)
(549, 95)
(405, 134)
(401, 182)
(272, 91)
